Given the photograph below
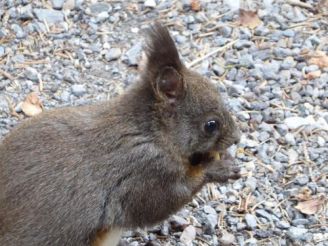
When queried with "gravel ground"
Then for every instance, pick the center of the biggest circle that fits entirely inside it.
(76, 52)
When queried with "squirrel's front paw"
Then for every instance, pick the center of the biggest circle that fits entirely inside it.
(223, 170)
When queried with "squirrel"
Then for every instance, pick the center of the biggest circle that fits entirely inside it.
(78, 175)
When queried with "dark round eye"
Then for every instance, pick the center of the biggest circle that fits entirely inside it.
(211, 126)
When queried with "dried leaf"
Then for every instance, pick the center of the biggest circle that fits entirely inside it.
(320, 59)
(311, 206)
(313, 75)
(32, 105)
(195, 5)
(249, 18)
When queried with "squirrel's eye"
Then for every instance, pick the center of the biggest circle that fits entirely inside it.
(211, 126)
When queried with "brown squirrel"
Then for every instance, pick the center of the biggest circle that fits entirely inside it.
(79, 175)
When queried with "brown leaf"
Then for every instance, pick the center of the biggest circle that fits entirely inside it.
(320, 59)
(313, 75)
(32, 105)
(195, 5)
(249, 18)
(311, 206)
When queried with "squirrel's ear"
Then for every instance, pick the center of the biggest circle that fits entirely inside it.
(163, 66)
(169, 84)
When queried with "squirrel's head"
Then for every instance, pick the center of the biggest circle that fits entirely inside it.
(189, 105)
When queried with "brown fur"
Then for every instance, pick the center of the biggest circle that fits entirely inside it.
(68, 173)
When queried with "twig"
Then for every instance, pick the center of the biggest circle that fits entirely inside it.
(193, 63)
(266, 166)
(7, 75)
(300, 4)
(256, 205)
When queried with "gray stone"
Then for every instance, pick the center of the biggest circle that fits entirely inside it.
(3, 32)
(18, 30)
(245, 33)
(188, 235)
(240, 44)
(78, 90)
(57, 4)
(302, 180)
(262, 31)
(150, 3)
(297, 222)
(101, 17)
(288, 63)
(49, 15)
(180, 39)
(263, 233)
(282, 52)
(227, 239)
(282, 224)
(113, 54)
(213, 220)
(225, 31)
(290, 139)
(280, 157)
(288, 33)
(251, 183)
(32, 74)
(241, 226)
(189, 19)
(311, 68)
(321, 141)
(243, 116)
(65, 96)
(247, 61)
(296, 233)
(209, 210)
(218, 70)
(100, 7)
(264, 214)
(231, 75)
(2, 51)
(264, 136)
(250, 221)
(271, 70)
(4, 106)
(132, 56)
(25, 12)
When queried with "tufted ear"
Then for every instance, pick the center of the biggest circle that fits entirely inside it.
(163, 67)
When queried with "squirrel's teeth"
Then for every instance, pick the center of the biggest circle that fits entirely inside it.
(216, 155)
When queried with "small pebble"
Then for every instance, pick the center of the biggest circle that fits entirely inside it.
(49, 15)
(296, 233)
(150, 3)
(32, 74)
(113, 54)
(250, 221)
(78, 90)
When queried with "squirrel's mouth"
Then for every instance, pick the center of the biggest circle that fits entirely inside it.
(198, 158)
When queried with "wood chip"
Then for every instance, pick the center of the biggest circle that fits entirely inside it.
(313, 75)
(32, 105)
(249, 18)
(319, 58)
(195, 5)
